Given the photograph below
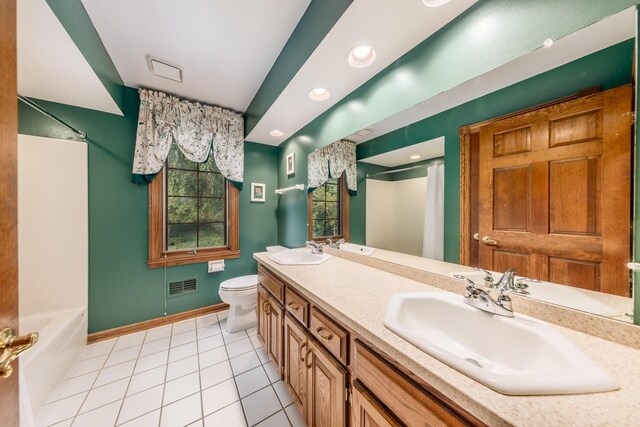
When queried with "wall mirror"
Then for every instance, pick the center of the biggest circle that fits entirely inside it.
(538, 158)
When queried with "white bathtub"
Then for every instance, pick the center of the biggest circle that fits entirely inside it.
(63, 335)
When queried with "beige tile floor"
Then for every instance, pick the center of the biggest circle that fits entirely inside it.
(190, 373)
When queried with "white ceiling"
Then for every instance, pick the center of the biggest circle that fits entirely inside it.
(225, 47)
(598, 36)
(51, 67)
(393, 27)
(430, 149)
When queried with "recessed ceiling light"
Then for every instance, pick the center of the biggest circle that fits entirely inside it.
(414, 157)
(276, 133)
(319, 93)
(434, 3)
(362, 56)
(547, 43)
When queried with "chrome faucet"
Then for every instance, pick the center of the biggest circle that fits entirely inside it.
(483, 300)
(316, 248)
(334, 245)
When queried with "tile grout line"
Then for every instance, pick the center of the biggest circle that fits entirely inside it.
(199, 371)
(166, 372)
(244, 413)
(130, 378)
(94, 381)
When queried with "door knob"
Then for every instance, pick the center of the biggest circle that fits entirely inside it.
(12, 346)
(489, 241)
(476, 236)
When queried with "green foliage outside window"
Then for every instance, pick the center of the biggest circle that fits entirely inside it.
(195, 208)
(326, 209)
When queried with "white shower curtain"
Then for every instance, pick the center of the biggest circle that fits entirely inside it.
(433, 240)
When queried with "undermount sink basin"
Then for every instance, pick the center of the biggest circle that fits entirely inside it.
(514, 356)
(553, 293)
(301, 256)
(357, 249)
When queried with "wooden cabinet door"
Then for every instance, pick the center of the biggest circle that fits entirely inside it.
(366, 412)
(261, 316)
(295, 371)
(326, 389)
(555, 192)
(274, 336)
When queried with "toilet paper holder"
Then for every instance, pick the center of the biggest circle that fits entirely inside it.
(215, 266)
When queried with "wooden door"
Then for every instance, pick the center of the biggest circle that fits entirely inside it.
(366, 412)
(275, 313)
(8, 200)
(555, 192)
(261, 317)
(326, 389)
(295, 371)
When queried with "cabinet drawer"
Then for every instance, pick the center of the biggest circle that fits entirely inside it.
(406, 401)
(271, 283)
(297, 306)
(329, 333)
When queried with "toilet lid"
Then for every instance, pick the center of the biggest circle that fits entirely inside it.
(241, 283)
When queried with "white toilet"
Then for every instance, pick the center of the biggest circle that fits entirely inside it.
(241, 294)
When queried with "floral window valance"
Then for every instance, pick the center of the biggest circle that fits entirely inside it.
(196, 128)
(330, 162)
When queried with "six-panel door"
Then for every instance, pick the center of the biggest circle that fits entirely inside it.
(554, 192)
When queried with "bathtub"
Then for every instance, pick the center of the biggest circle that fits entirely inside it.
(63, 335)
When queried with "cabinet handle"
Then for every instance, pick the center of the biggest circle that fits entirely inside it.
(324, 333)
(294, 306)
(267, 309)
(307, 359)
(304, 344)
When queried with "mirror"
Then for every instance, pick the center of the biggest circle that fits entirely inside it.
(538, 175)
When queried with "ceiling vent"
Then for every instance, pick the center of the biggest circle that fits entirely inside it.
(364, 132)
(164, 69)
(182, 287)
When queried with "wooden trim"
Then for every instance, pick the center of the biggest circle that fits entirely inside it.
(159, 257)
(154, 323)
(9, 199)
(473, 128)
(465, 193)
(345, 214)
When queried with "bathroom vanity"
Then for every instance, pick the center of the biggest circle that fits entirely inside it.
(322, 325)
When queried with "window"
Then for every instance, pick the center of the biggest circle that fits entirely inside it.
(329, 211)
(193, 213)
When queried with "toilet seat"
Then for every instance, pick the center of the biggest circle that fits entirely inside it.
(243, 283)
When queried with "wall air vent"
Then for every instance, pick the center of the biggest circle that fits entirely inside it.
(162, 68)
(182, 287)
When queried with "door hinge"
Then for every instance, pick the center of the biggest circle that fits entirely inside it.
(633, 118)
(349, 395)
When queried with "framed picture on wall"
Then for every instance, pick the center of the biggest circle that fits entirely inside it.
(291, 163)
(258, 192)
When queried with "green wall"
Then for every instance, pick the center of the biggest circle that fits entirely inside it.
(608, 68)
(122, 290)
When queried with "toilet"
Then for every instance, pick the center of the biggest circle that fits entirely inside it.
(241, 295)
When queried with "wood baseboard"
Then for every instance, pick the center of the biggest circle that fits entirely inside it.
(154, 323)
